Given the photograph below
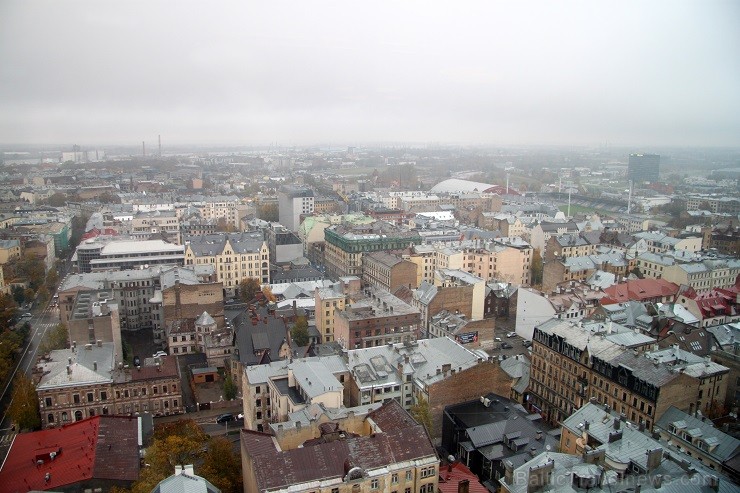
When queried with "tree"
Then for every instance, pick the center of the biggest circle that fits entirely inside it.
(32, 268)
(537, 268)
(224, 227)
(10, 343)
(269, 296)
(109, 198)
(52, 279)
(421, 413)
(176, 443)
(19, 294)
(248, 288)
(222, 466)
(56, 338)
(24, 405)
(268, 212)
(229, 388)
(57, 200)
(8, 311)
(299, 331)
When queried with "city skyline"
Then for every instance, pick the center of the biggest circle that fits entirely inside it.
(574, 73)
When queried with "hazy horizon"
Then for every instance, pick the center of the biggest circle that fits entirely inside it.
(630, 74)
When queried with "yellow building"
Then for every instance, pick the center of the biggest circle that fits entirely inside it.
(235, 256)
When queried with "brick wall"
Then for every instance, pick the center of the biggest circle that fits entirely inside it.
(484, 378)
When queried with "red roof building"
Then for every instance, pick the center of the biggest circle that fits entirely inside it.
(97, 452)
(654, 290)
(452, 479)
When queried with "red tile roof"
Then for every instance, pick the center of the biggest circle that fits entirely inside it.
(167, 368)
(101, 447)
(450, 476)
(639, 290)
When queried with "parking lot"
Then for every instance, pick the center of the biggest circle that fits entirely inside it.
(504, 332)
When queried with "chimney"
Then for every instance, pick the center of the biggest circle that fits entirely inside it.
(585, 426)
(713, 482)
(617, 423)
(538, 436)
(638, 487)
(178, 470)
(188, 469)
(657, 481)
(69, 370)
(69, 360)
(654, 457)
(99, 343)
(508, 472)
(463, 486)
(95, 365)
(641, 426)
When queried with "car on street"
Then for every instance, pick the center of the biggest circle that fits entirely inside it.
(224, 418)
(511, 334)
(506, 345)
(137, 361)
(526, 343)
(26, 315)
(497, 339)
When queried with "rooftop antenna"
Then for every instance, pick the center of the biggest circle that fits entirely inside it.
(143, 148)
(629, 198)
(507, 183)
(159, 138)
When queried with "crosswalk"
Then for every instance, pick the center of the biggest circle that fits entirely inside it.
(7, 439)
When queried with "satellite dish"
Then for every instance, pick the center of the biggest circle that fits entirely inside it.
(548, 447)
(451, 458)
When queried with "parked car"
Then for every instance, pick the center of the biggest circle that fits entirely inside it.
(526, 343)
(224, 418)
(511, 334)
(506, 345)
(26, 315)
(137, 361)
(497, 339)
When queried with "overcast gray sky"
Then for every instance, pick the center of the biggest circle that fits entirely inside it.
(490, 72)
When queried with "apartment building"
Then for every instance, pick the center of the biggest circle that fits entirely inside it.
(139, 296)
(541, 233)
(376, 319)
(387, 451)
(345, 245)
(235, 256)
(93, 318)
(568, 245)
(387, 272)
(503, 259)
(453, 290)
(575, 361)
(658, 242)
(292, 203)
(162, 224)
(329, 300)
(84, 381)
(568, 301)
(704, 275)
(699, 438)
(557, 271)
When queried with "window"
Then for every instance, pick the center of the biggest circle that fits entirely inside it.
(408, 476)
(89, 397)
(103, 395)
(394, 478)
(48, 401)
(374, 484)
(76, 398)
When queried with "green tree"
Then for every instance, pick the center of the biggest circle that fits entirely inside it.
(299, 331)
(8, 311)
(10, 343)
(222, 466)
(536, 268)
(109, 198)
(248, 288)
(32, 268)
(56, 338)
(57, 200)
(268, 212)
(52, 279)
(229, 388)
(421, 413)
(24, 405)
(19, 294)
(176, 443)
